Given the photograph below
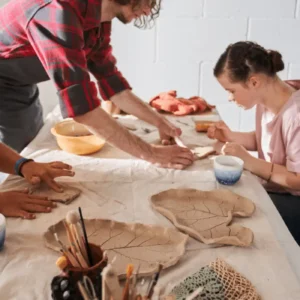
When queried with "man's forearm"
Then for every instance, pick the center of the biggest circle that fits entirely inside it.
(130, 103)
(246, 139)
(8, 158)
(102, 124)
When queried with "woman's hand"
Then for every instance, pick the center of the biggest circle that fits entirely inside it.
(219, 131)
(238, 150)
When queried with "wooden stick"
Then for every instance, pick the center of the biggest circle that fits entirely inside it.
(79, 241)
(70, 237)
(67, 253)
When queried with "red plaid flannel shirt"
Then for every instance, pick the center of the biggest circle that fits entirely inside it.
(69, 39)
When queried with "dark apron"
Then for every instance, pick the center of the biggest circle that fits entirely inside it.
(21, 113)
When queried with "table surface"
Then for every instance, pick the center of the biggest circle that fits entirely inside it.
(117, 186)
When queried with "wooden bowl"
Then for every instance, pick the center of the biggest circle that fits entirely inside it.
(74, 138)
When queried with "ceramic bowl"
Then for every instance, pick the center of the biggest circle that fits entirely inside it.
(2, 231)
(228, 169)
(73, 137)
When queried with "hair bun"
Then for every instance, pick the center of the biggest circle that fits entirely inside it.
(276, 61)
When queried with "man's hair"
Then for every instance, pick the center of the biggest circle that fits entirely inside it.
(144, 21)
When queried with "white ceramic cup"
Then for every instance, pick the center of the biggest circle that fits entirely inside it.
(2, 230)
(228, 169)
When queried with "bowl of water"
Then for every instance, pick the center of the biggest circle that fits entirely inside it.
(228, 169)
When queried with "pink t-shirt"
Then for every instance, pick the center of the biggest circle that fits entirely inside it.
(278, 137)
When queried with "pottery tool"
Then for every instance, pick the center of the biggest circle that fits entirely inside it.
(134, 282)
(83, 291)
(62, 264)
(89, 287)
(129, 270)
(88, 249)
(154, 282)
(70, 237)
(67, 252)
(98, 279)
(73, 220)
(195, 293)
(110, 283)
(179, 142)
(75, 248)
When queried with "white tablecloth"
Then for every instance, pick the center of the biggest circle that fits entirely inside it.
(118, 187)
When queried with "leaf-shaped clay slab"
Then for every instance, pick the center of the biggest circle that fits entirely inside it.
(206, 215)
(139, 244)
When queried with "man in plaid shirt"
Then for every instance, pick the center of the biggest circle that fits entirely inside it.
(64, 40)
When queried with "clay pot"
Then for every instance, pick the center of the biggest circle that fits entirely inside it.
(93, 271)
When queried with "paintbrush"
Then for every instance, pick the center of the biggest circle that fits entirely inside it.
(134, 282)
(126, 289)
(67, 253)
(70, 237)
(88, 249)
(154, 282)
(74, 245)
(73, 220)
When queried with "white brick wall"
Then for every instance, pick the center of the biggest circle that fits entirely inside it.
(181, 50)
(189, 37)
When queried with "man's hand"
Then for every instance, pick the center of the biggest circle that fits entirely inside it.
(35, 172)
(171, 157)
(167, 132)
(21, 204)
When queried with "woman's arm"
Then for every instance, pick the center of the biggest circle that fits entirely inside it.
(273, 173)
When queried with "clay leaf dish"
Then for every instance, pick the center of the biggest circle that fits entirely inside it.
(138, 244)
(69, 194)
(206, 215)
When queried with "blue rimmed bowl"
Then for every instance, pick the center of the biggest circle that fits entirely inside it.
(228, 169)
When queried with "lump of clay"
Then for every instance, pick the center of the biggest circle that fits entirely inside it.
(67, 196)
(202, 152)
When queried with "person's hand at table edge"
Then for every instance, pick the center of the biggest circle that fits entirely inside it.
(21, 204)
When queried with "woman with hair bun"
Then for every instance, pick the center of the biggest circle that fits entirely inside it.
(249, 73)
